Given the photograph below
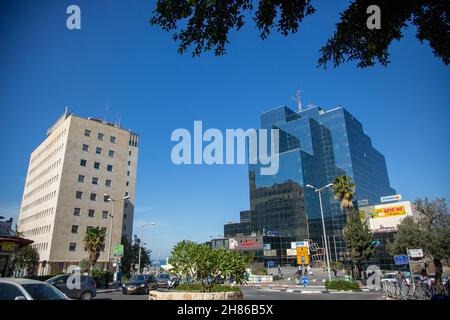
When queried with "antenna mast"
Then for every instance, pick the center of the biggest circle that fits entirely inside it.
(298, 99)
(106, 110)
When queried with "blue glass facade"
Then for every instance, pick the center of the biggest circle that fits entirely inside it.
(316, 146)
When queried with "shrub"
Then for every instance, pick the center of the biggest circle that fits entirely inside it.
(199, 287)
(101, 278)
(341, 285)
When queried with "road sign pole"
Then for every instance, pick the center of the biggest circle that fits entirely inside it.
(410, 270)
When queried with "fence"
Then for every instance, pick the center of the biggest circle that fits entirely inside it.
(421, 291)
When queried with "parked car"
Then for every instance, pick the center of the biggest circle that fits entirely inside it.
(141, 283)
(163, 280)
(388, 277)
(87, 290)
(27, 289)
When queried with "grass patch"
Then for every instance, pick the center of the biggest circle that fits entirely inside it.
(343, 285)
(196, 287)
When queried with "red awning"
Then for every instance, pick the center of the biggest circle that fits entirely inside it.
(20, 241)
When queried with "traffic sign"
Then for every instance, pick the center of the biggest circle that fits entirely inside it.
(401, 259)
(118, 250)
(302, 255)
(415, 253)
(304, 281)
(271, 263)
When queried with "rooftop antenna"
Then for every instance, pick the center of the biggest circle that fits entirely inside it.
(298, 99)
(66, 110)
(117, 117)
(106, 110)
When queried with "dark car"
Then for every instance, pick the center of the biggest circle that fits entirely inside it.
(87, 289)
(163, 280)
(141, 283)
(27, 289)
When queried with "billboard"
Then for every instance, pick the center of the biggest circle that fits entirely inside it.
(388, 211)
(291, 252)
(299, 244)
(270, 253)
(395, 197)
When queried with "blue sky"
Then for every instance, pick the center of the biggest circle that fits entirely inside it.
(118, 57)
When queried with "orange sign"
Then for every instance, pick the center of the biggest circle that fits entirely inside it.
(302, 255)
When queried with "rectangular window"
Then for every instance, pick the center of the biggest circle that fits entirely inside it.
(128, 173)
(129, 163)
(94, 180)
(111, 153)
(125, 216)
(96, 165)
(98, 150)
(79, 195)
(128, 183)
(85, 147)
(113, 139)
(74, 229)
(100, 136)
(87, 132)
(109, 168)
(103, 230)
(126, 204)
(93, 196)
(91, 213)
(72, 246)
(76, 211)
(105, 214)
(108, 183)
(129, 153)
(83, 162)
(81, 178)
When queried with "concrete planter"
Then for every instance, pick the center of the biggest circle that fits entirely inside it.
(187, 295)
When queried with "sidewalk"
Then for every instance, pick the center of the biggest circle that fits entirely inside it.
(111, 288)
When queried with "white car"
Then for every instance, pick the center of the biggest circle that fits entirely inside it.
(27, 289)
(388, 277)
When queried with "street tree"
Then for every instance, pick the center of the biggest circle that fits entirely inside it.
(94, 240)
(206, 265)
(344, 192)
(358, 240)
(130, 257)
(26, 259)
(429, 231)
(336, 266)
(205, 25)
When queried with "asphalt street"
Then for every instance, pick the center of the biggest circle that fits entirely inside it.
(266, 294)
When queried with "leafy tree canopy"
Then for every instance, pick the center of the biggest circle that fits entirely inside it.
(25, 258)
(205, 25)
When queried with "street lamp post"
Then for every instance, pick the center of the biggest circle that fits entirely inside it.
(323, 223)
(140, 243)
(109, 199)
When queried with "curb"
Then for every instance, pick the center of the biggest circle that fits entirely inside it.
(108, 290)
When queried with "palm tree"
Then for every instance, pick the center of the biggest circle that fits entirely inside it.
(93, 242)
(344, 192)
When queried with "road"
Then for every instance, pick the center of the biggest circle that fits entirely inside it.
(266, 294)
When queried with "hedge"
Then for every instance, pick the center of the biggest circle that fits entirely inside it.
(341, 285)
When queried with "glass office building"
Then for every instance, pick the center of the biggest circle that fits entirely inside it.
(315, 147)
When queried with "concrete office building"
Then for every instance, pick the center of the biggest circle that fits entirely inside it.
(68, 174)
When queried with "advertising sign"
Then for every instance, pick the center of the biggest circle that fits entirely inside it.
(267, 246)
(394, 197)
(291, 252)
(363, 202)
(271, 263)
(388, 212)
(299, 244)
(401, 259)
(415, 253)
(8, 246)
(270, 253)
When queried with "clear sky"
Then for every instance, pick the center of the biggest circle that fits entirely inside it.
(118, 57)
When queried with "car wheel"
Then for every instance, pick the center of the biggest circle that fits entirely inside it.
(87, 295)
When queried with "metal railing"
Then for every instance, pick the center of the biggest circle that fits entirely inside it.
(421, 291)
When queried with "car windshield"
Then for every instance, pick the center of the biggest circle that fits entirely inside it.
(43, 291)
(164, 276)
(138, 278)
(389, 276)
